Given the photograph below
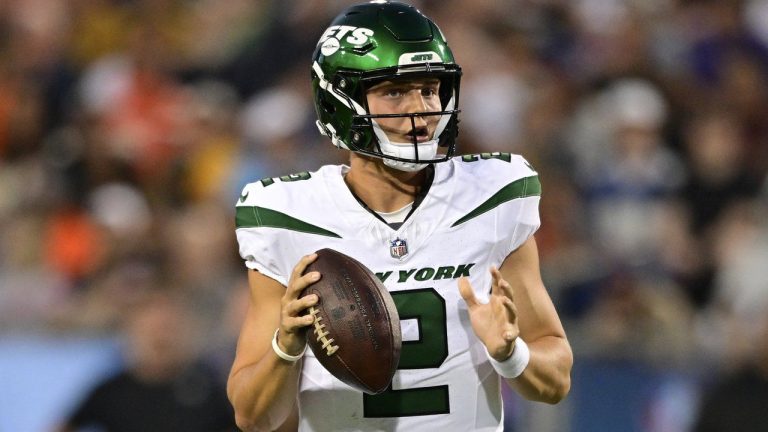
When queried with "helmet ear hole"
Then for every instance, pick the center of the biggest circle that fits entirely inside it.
(326, 105)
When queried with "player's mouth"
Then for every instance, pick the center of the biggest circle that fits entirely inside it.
(419, 134)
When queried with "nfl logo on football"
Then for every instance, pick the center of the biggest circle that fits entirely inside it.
(398, 248)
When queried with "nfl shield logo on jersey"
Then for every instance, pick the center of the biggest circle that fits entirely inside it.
(398, 248)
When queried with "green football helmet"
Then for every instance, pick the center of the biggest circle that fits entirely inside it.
(382, 41)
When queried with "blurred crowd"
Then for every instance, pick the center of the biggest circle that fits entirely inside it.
(128, 128)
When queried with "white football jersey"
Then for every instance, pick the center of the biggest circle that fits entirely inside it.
(478, 209)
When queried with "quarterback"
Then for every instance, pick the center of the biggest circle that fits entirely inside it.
(451, 237)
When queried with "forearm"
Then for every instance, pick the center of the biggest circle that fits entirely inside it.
(263, 394)
(548, 375)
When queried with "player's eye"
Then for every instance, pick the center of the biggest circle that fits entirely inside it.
(428, 91)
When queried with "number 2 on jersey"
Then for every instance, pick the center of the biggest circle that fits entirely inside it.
(429, 351)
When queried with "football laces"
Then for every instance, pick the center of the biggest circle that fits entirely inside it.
(322, 333)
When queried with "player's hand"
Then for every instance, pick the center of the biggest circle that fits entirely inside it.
(495, 322)
(291, 338)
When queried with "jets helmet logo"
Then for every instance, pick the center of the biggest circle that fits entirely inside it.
(330, 41)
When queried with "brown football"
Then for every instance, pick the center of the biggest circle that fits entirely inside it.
(356, 333)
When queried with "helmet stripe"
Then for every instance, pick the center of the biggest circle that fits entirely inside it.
(327, 86)
(445, 118)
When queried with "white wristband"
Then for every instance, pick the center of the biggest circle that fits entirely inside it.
(282, 354)
(514, 366)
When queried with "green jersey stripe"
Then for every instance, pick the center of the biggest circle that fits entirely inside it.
(253, 217)
(524, 187)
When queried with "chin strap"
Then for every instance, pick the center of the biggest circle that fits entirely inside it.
(426, 151)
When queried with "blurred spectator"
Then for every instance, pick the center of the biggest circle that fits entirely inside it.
(212, 142)
(570, 264)
(731, 63)
(714, 143)
(279, 133)
(737, 313)
(633, 174)
(74, 243)
(639, 317)
(736, 402)
(163, 388)
(724, 38)
(715, 148)
(29, 290)
(142, 109)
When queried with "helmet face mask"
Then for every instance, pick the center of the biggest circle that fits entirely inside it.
(372, 43)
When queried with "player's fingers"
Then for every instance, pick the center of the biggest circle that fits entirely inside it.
(506, 289)
(299, 280)
(466, 292)
(295, 287)
(293, 324)
(291, 337)
(295, 314)
(495, 280)
(298, 306)
(511, 310)
(500, 285)
(506, 310)
(502, 329)
(301, 266)
(500, 308)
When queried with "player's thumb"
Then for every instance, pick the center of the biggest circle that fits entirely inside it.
(465, 289)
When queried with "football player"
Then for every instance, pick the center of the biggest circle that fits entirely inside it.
(451, 237)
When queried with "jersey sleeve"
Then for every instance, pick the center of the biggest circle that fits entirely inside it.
(259, 245)
(500, 194)
(522, 216)
(507, 191)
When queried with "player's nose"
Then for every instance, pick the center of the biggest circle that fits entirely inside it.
(415, 102)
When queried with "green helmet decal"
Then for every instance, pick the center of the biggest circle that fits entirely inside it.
(374, 42)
